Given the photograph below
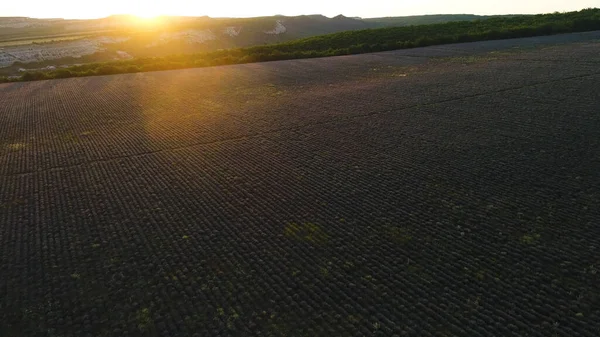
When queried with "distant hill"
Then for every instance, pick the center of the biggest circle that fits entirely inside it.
(428, 19)
(28, 43)
(13, 28)
(342, 43)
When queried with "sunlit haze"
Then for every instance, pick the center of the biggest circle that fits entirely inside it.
(235, 8)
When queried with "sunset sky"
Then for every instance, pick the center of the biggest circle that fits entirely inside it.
(246, 8)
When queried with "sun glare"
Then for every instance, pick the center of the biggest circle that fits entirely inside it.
(146, 16)
(150, 12)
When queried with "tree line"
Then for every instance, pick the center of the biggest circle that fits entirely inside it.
(347, 43)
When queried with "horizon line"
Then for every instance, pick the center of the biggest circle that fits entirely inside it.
(263, 16)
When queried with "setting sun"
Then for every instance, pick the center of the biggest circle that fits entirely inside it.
(147, 15)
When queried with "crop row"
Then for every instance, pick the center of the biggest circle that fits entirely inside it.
(190, 225)
(56, 123)
(369, 210)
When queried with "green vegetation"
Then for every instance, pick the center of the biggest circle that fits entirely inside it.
(346, 43)
(307, 232)
(41, 40)
(429, 19)
(530, 239)
(399, 234)
(143, 318)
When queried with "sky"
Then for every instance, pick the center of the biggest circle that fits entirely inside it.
(77, 9)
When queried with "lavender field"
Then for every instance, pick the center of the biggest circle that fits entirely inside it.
(441, 191)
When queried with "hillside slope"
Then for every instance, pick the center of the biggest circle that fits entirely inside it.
(428, 19)
(24, 41)
(344, 43)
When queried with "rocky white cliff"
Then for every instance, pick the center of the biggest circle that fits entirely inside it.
(279, 29)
